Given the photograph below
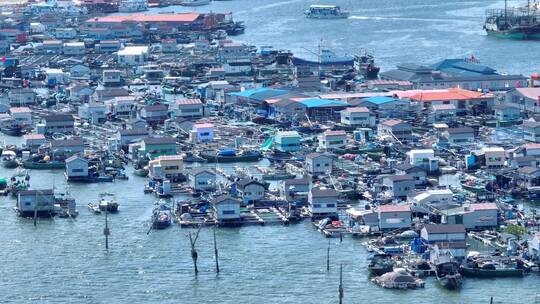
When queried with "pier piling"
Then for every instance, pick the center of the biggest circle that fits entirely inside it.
(340, 284)
(328, 257)
(106, 230)
(216, 251)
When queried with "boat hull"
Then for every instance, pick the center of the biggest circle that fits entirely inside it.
(522, 33)
(451, 282)
(43, 166)
(305, 62)
(486, 273)
(161, 224)
(12, 131)
(10, 164)
(232, 159)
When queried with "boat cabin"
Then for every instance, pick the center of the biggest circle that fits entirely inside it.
(459, 136)
(322, 202)
(153, 147)
(357, 117)
(250, 190)
(166, 167)
(188, 108)
(287, 141)
(473, 216)
(396, 129)
(434, 233)
(59, 123)
(226, 208)
(319, 163)
(296, 189)
(201, 179)
(35, 202)
(399, 186)
(330, 140)
(393, 217)
(76, 168)
(203, 132)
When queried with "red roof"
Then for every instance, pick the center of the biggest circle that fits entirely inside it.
(186, 101)
(394, 208)
(185, 17)
(484, 206)
(450, 94)
(392, 122)
(358, 110)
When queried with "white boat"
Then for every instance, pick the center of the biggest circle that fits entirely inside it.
(194, 2)
(326, 12)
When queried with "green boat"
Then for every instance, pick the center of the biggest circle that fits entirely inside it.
(490, 272)
(44, 165)
(478, 266)
(230, 156)
(522, 23)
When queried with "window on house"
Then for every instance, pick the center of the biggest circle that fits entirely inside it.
(330, 205)
(229, 212)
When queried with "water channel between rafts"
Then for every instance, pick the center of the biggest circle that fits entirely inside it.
(63, 261)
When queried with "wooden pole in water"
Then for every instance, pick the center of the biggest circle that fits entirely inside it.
(491, 300)
(194, 255)
(216, 251)
(341, 284)
(106, 231)
(35, 210)
(328, 257)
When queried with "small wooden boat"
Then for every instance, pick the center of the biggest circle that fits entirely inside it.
(161, 218)
(448, 275)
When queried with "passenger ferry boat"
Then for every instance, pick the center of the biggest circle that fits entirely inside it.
(326, 12)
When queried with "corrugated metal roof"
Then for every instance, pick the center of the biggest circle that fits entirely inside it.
(316, 102)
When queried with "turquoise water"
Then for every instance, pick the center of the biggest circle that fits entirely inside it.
(63, 261)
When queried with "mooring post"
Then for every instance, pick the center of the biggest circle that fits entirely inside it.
(216, 251)
(340, 283)
(106, 230)
(328, 257)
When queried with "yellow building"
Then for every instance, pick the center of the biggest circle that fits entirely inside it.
(166, 166)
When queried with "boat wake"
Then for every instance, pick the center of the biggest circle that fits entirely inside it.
(400, 19)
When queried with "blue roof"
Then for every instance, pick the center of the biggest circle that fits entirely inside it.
(379, 99)
(260, 93)
(463, 66)
(316, 102)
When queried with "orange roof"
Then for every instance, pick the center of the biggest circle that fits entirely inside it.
(185, 17)
(450, 94)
